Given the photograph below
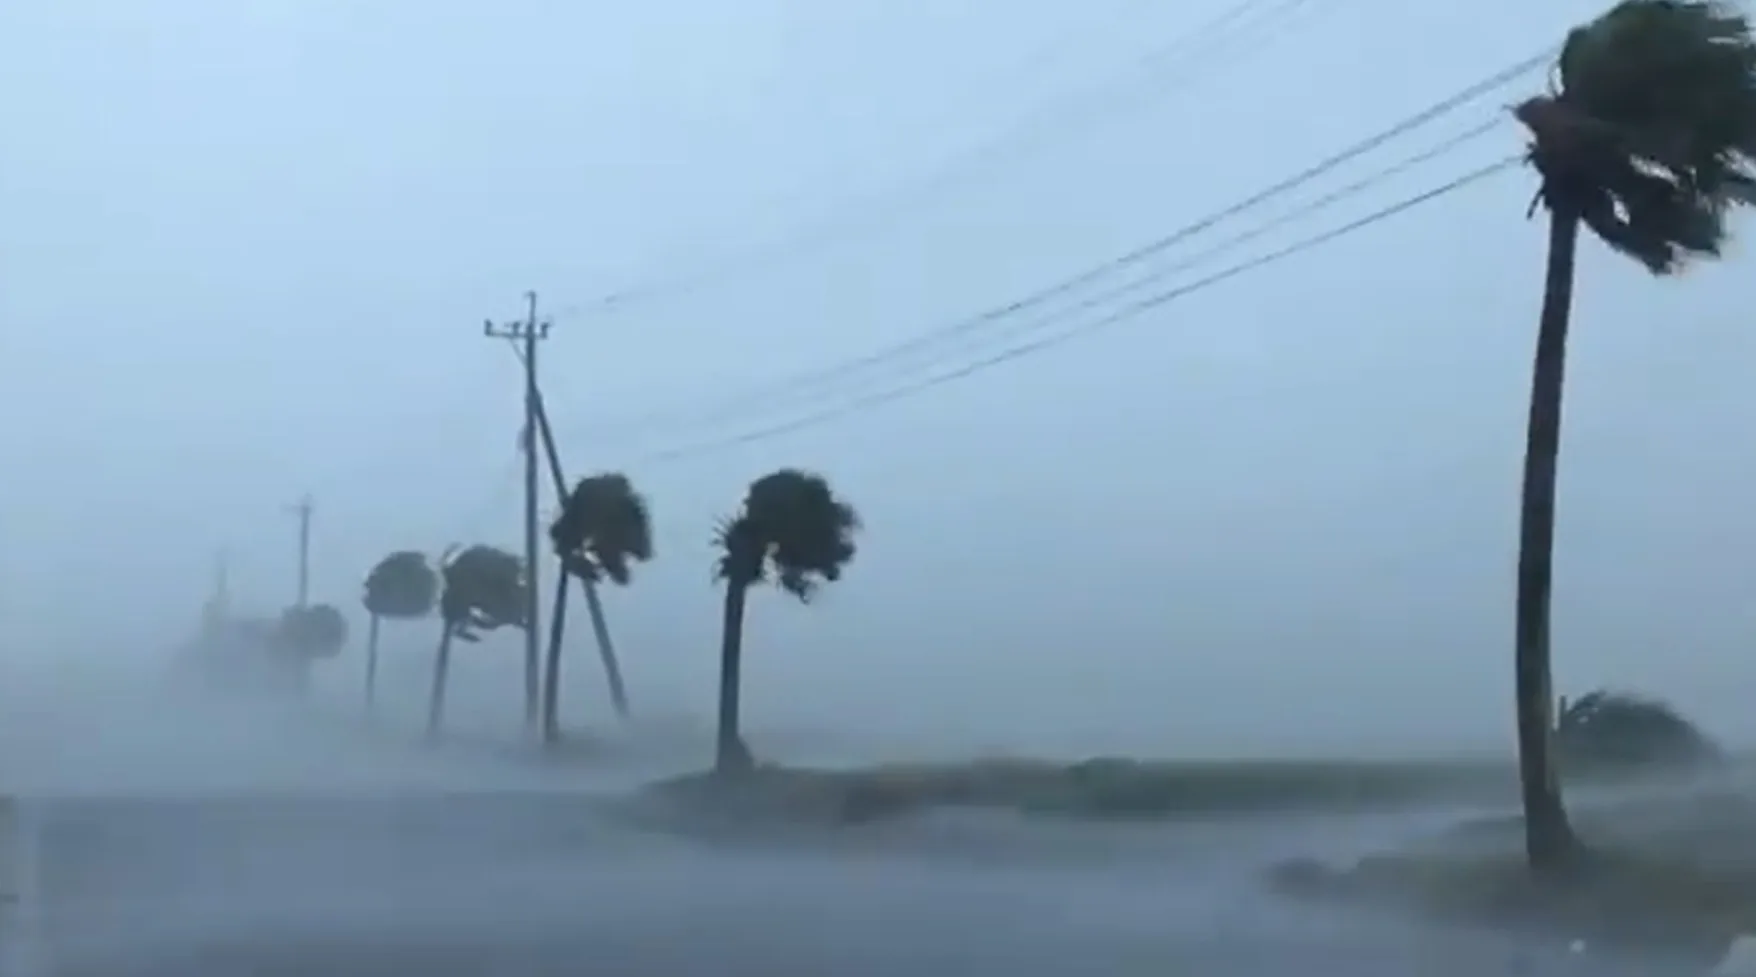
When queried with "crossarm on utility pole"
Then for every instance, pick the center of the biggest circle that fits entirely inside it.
(528, 332)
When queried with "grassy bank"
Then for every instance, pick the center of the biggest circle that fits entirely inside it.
(1102, 788)
(1676, 873)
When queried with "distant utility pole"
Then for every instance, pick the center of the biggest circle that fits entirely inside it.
(302, 509)
(218, 609)
(527, 332)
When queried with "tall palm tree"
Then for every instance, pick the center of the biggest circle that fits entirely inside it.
(603, 529)
(403, 586)
(1646, 138)
(793, 530)
(482, 589)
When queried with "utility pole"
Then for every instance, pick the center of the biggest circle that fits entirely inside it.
(527, 332)
(302, 509)
(218, 610)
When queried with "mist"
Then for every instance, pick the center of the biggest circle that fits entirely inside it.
(246, 252)
(1264, 506)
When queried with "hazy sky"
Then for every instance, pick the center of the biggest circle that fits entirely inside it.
(246, 250)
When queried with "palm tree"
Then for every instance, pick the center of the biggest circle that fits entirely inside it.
(311, 631)
(1646, 138)
(303, 635)
(793, 530)
(603, 529)
(606, 649)
(482, 589)
(403, 586)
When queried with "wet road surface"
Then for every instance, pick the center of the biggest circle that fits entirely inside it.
(538, 884)
(346, 856)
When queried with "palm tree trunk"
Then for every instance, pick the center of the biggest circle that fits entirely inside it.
(371, 662)
(441, 671)
(552, 664)
(1548, 836)
(730, 756)
(600, 630)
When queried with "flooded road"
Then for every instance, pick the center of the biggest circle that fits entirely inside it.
(226, 847)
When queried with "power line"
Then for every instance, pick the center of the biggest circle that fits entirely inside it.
(1046, 54)
(1015, 329)
(809, 379)
(1180, 60)
(926, 340)
(1206, 255)
(1120, 315)
(1054, 339)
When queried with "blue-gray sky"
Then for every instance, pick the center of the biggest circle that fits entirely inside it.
(246, 250)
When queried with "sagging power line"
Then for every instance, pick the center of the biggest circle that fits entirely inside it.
(827, 378)
(1055, 339)
(977, 326)
(1245, 25)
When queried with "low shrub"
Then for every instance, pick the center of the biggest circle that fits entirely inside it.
(1097, 788)
(1675, 871)
(1615, 898)
(1608, 729)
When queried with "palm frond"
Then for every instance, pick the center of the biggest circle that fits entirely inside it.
(743, 553)
(576, 565)
(1650, 218)
(402, 585)
(1607, 727)
(797, 581)
(604, 521)
(793, 520)
(483, 587)
(1651, 132)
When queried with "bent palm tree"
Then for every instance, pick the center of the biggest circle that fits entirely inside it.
(793, 530)
(1646, 139)
(1605, 728)
(603, 529)
(482, 590)
(403, 586)
(593, 603)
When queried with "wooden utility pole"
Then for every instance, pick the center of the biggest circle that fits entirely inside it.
(302, 509)
(527, 332)
(606, 648)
